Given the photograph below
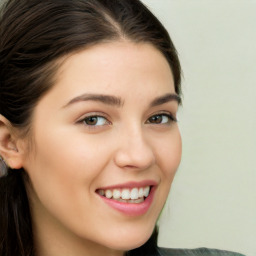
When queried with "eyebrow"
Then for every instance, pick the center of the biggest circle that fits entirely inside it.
(106, 99)
(166, 98)
(116, 101)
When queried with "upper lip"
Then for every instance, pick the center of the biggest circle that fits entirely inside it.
(132, 184)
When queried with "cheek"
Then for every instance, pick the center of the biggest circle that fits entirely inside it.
(63, 153)
(63, 173)
(63, 167)
(169, 154)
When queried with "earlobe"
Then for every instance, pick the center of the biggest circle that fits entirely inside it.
(9, 150)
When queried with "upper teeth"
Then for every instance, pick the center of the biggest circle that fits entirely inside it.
(125, 193)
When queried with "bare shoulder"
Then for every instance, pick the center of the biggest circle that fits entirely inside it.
(196, 252)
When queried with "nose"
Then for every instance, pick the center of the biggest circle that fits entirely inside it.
(134, 150)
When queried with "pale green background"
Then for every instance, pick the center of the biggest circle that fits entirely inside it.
(213, 198)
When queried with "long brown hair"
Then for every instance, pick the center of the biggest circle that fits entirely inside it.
(34, 34)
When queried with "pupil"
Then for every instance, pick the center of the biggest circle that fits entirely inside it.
(91, 120)
(156, 119)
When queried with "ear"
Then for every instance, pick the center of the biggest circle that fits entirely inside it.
(10, 147)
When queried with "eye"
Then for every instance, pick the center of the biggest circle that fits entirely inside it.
(94, 121)
(161, 119)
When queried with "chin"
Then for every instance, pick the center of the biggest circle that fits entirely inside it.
(129, 241)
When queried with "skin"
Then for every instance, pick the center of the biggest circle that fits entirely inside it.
(70, 158)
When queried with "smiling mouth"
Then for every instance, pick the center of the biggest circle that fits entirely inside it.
(126, 195)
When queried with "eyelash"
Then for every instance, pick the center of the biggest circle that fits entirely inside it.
(95, 116)
(170, 117)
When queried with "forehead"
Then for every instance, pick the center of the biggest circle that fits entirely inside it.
(124, 61)
(120, 68)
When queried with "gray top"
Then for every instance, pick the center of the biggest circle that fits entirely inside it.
(194, 252)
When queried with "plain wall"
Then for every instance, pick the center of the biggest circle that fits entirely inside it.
(213, 198)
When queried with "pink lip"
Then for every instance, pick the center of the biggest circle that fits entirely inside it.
(131, 209)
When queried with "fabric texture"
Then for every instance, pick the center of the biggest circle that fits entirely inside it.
(156, 251)
(150, 248)
(194, 252)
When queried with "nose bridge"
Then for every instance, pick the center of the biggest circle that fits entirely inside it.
(134, 150)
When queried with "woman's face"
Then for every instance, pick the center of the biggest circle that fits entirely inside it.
(103, 136)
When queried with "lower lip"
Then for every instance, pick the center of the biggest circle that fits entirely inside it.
(131, 209)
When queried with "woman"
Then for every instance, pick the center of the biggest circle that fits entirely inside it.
(88, 100)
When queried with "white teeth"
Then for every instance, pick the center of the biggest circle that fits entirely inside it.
(125, 194)
(141, 192)
(146, 191)
(108, 193)
(134, 193)
(116, 193)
